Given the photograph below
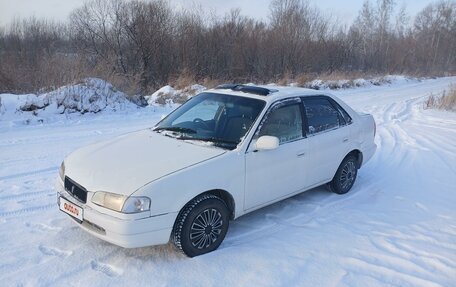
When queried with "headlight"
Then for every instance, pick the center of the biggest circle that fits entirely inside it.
(135, 204)
(109, 200)
(62, 171)
(121, 203)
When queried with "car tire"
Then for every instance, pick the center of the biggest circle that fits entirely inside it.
(201, 226)
(345, 176)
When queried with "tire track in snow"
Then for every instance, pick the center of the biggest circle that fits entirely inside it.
(27, 210)
(432, 142)
(386, 112)
(403, 251)
(412, 266)
(398, 264)
(419, 237)
(24, 195)
(397, 252)
(54, 168)
(386, 275)
(393, 140)
(407, 112)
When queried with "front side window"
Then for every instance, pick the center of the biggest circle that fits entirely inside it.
(283, 122)
(219, 119)
(321, 115)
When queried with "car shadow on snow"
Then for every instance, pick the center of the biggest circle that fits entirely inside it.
(300, 210)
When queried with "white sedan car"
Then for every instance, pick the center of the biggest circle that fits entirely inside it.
(222, 154)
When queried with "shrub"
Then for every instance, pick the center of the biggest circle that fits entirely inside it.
(185, 79)
(303, 79)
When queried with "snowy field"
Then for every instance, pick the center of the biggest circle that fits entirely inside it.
(397, 226)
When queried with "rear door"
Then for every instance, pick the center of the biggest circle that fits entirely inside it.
(328, 133)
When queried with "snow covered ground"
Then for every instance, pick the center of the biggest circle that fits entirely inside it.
(397, 226)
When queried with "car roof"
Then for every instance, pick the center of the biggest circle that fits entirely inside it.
(275, 92)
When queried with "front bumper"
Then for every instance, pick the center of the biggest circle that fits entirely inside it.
(153, 230)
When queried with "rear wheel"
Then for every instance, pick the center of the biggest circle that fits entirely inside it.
(201, 226)
(345, 176)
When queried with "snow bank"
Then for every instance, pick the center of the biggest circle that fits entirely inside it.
(88, 96)
(93, 95)
(319, 84)
(167, 95)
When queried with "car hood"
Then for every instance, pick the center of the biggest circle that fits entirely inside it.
(126, 163)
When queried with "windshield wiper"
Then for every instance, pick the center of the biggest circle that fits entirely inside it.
(176, 129)
(210, 139)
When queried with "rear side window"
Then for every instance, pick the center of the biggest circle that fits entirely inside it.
(345, 115)
(322, 115)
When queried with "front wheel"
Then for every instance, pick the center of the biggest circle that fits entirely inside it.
(201, 226)
(345, 176)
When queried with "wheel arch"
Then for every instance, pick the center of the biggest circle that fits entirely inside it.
(224, 195)
(358, 155)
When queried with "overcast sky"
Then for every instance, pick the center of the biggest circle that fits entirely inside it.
(344, 10)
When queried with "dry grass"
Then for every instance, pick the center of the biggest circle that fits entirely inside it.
(303, 79)
(348, 75)
(335, 79)
(447, 101)
(286, 79)
(211, 83)
(184, 79)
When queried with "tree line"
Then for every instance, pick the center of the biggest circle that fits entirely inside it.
(142, 45)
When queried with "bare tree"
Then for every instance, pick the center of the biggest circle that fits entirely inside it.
(140, 45)
(435, 30)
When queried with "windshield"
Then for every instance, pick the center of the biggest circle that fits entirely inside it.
(221, 120)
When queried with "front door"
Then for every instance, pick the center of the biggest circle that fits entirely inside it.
(274, 174)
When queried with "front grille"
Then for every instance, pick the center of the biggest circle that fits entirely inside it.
(75, 189)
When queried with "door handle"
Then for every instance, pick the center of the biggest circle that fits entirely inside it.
(300, 153)
(345, 140)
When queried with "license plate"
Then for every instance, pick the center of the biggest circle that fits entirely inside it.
(71, 209)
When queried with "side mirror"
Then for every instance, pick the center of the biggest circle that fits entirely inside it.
(267, 143)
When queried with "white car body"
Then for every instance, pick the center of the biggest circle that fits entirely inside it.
(172, 172)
